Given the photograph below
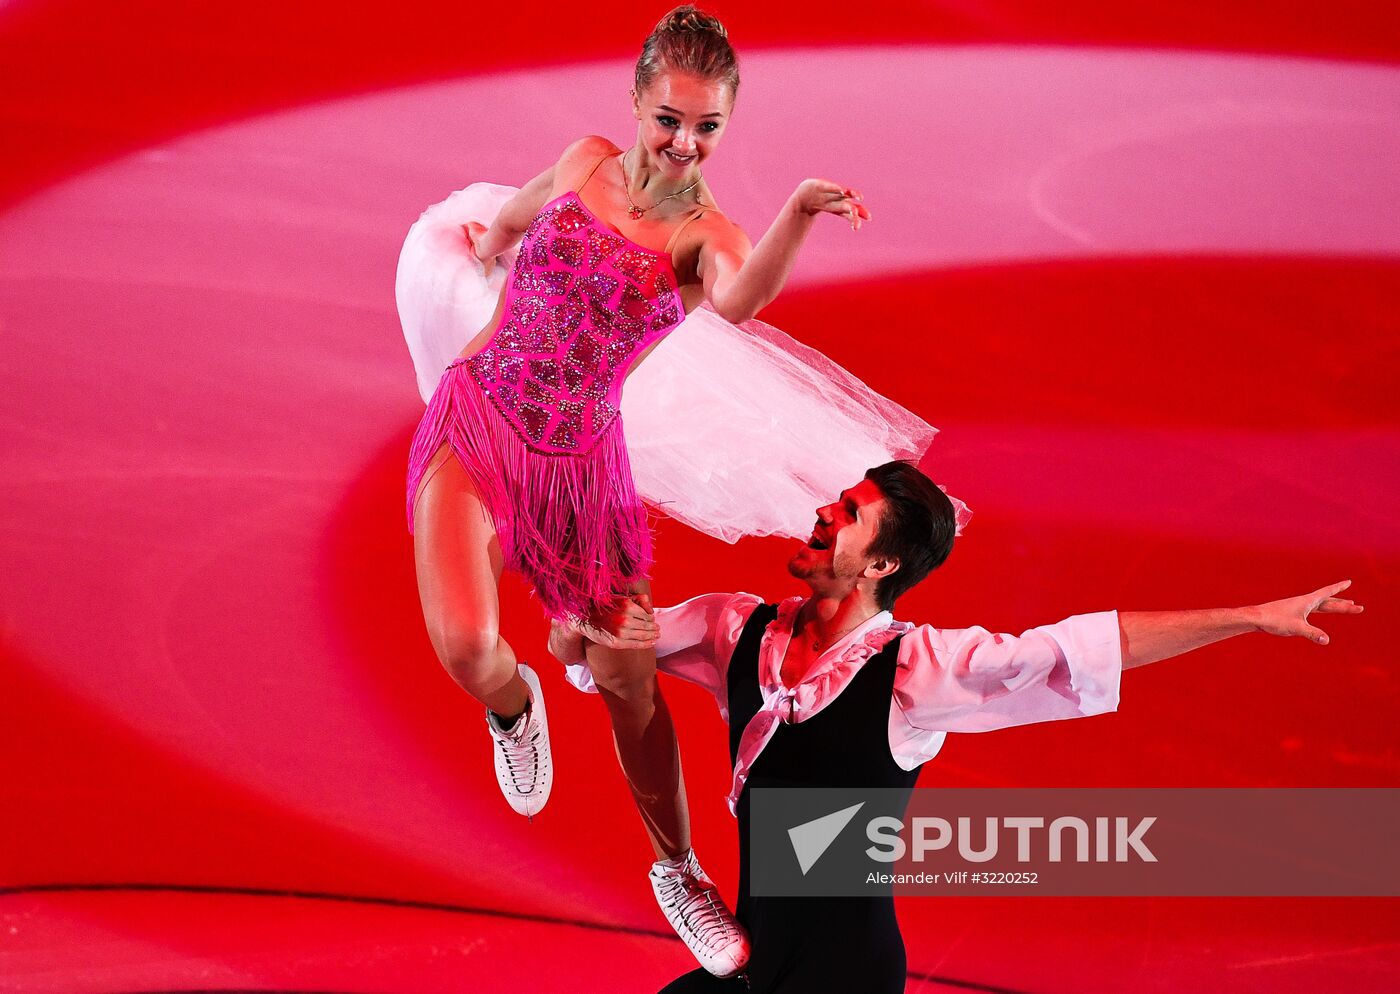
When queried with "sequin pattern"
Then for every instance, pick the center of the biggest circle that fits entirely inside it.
(581, 304)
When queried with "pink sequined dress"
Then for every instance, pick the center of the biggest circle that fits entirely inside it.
(733, 429)
(533, 416)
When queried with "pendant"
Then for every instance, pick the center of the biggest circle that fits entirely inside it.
(635, 213)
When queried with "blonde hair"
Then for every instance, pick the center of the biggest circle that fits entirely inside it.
(691, 41)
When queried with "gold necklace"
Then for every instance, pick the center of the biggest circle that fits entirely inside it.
(633, 211)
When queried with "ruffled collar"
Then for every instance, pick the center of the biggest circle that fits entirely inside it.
(834, 668)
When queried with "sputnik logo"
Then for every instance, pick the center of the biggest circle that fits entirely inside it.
(812, 838)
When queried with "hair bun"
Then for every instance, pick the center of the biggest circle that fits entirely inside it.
(691, 18)
(691, 41)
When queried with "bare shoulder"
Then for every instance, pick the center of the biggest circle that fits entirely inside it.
(578, 157)
(720, 234)
(590, 147)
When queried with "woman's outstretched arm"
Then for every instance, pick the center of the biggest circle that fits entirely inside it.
(741, 280)
(514, 217)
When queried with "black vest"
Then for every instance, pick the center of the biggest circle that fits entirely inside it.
(846, 744)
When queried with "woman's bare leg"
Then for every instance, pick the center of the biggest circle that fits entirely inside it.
(458, 559)
(646, 741)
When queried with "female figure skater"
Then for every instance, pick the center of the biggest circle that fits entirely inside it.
(520, 459)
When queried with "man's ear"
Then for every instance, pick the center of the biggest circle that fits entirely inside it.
(881, 568)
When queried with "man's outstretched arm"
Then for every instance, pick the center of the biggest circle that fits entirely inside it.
(972, 680)
(1150, 636)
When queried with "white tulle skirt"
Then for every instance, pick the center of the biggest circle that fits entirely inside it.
(732, 429)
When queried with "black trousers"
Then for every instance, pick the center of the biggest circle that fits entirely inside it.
(813, 946)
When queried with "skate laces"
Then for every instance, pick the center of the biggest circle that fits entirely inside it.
(520, 750)
(692, 902)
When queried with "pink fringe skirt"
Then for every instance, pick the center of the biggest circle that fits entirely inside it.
(572, 525)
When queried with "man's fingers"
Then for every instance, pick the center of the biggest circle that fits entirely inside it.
(623, 629)
(636, 621)
(1325, 599)
(1334, 605)
(634, 640)
(633, 643)
(1316, 634)
(623, 612)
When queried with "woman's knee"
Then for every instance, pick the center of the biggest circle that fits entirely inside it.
(469, 652)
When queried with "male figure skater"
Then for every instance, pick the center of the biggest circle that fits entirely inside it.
(832, 690)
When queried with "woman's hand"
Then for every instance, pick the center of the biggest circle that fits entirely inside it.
(474, 230)
(815, 196)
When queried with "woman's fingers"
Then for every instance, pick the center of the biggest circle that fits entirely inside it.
(846, 201)
(833, 198)
(856, 213)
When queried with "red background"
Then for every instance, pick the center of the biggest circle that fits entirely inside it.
(132, 858)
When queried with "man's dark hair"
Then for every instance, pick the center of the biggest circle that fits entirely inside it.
(916, 528)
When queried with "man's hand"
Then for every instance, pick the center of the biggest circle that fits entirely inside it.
(1148, 636)
(1290, 616)
(627, 624)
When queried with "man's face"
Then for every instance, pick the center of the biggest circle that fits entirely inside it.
(834, 558)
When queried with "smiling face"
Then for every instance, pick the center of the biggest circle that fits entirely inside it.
(834, 559)
(680, 120)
